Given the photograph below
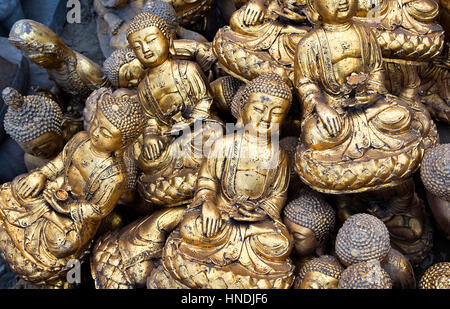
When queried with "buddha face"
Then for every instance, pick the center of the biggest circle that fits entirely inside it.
(305, 242)
(131, 74)
(45, 146)
(150, 46)
(105, 137)
(318, 280)
(336, 11)
(263, 113)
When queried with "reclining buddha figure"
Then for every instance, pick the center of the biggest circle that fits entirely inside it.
(356, 136)
(411, 41)
(51, 215)
(176, 97)
(258, 41)
(232, 235)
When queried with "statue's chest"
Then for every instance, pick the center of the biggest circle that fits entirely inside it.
(165, 92)
(81, 169)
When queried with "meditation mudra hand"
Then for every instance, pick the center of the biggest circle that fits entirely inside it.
(51, 215)
(233, 226)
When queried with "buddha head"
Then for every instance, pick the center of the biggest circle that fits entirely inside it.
(263, 104)
(435, 171)
(117, 123)
(362, 237)
(320, 273)
(34, 122)
(310, 219)
(331, 11)
(365, 275)
(39, 44)
(164, 10)
(436, 277)
(150, 38)
(124, 69)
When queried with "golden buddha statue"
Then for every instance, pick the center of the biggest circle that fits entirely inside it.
(365, 275)
(34, 122)
(112, 23)
(51, 215)
(436, 277)
(356, 136)
(411, 40)
(176, 96)
(73, 73)
(310, 219)
(435, 174)
(323, 272)
(232, 235)
(258, 41)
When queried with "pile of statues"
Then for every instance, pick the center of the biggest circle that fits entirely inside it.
(280, 155)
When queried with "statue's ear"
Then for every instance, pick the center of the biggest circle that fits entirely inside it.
(171, 47)
(311, 12)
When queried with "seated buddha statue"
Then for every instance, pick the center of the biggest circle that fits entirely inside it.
(74, 74)
(232, 235)
(356, 136)
(34, 122)
(176, 97)
(411, 39)
(262, 38)
(51, 215)
(113, 21)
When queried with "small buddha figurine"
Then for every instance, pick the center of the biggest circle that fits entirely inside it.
(323, 272)
(356, 137)
(365, 275)
(51, 215)
(34, 122)
(310, 219)
(436, 277)
(112, 24)
(435, 174)
(176, 96)
(361, 238)
(258, 41)
(73, 73)
(232, 235)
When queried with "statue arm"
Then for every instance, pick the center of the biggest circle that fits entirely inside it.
(274, 202)
(308, 90)
(201, 91)
(91, 74)
(376, 76)
(207, 180)
(102, 202)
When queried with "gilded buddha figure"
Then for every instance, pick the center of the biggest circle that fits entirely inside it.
(411, 41)
(34, 122)
(176, 97)
(51, 215)
(232, 235)
(258, 41)
(356, 136)
(73, 73)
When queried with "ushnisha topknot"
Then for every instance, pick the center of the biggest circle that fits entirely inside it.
(113, 63)
(28, 117)
(365, 275)
(312, 211)
(362, 237)
(325, 264)
(164, 10)
(436, 277)
(435, 171)
(271, 84)
(126, 115)
(145, 20)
